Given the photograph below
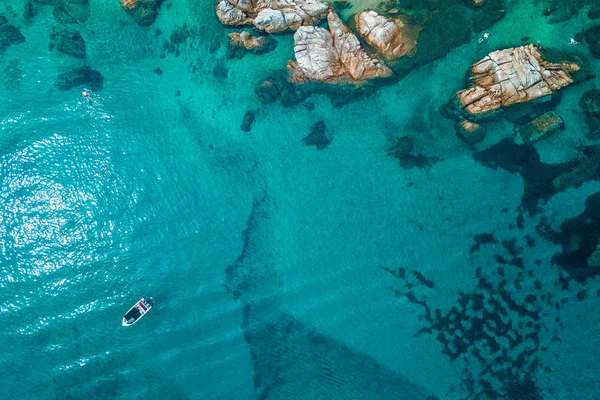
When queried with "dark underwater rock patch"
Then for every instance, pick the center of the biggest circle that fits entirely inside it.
(68, 41)
(482, 239)
(494, 333)
(592, 38)
(144, 12)
(318, 136)
(71, 11)
(578, 238)
(523, 159)
(30, 9)
(590, 103)
(403, 150)
(9, 34)
(248, 120)
(81, 76)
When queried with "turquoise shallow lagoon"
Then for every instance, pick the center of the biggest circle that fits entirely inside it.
(279, 270)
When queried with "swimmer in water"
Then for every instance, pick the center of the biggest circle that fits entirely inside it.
(573, 41)
(485, 36)
(86, 96)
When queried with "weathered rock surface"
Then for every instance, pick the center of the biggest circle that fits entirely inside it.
(9, 34)
(68, 42)
(271, 15)
(332, 56)
(470, 132)
(247, 41)
(512, 76)
(393, 37)
(143, 12)
(541, 126)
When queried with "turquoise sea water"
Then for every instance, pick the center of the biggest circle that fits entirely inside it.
(274, 265)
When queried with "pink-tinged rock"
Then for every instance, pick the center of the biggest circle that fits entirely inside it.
(512, 76)
(271, 16)
(332, 56)
(392, 37)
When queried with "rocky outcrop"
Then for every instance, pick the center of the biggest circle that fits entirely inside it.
(541, 126)
(143, 12)
(332, 56)
(68, 42)
(470, 132)
(271, 16)
(392, 37)
(512, 76)
(9, 34)
(247, 41)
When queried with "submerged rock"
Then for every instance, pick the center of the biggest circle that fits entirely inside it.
(579, 238)
(83, 76)
(143, 12)
(29, 10)
(470, 132)
(9, 34)
(392, 37)
(594, 260)
(332, 56)
(586, 169)
(271, 15)
(267, 92)
(247, 43)
(541, 126)
(512, 76)
(69, 42)
(590, 103)
(523, 159)
(592, 38)
(403, 150)
(71, 11)
(318, 136)
(248, 120)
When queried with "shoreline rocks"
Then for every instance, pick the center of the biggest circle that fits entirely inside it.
(332, 56)
(512, 76)
(271, 16)
(392, 37)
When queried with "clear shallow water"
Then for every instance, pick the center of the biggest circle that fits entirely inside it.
(145, 192)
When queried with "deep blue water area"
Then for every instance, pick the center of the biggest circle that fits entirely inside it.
(331, 244)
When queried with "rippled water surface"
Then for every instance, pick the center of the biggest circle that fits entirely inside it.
(278, 271)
